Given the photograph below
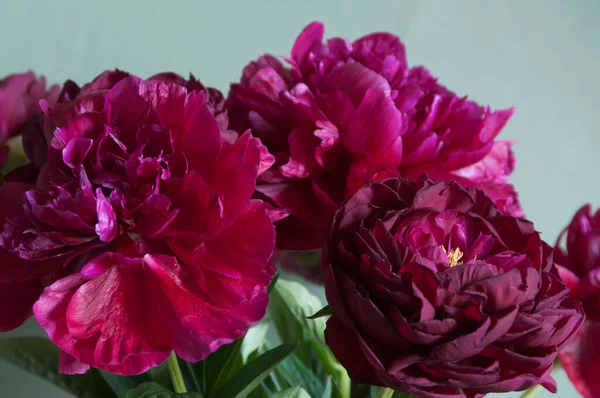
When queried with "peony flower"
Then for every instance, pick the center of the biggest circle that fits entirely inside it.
(435, 293)
(347, 113)
(580, 270)
(151, 211)
(36, 134)
(21, 281)
(19, 97)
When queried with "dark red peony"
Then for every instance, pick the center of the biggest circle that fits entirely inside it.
(19, 97)
(347, 113)
(435, 293)
(149, 211)
(579, 266)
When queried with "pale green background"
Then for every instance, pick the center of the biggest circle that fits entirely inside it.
(539, 56)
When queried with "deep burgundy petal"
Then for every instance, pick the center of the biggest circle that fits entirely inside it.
(16, 302)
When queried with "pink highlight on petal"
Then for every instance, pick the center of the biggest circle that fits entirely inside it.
(68, 365)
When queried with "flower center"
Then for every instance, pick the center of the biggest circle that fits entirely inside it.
(454, 256)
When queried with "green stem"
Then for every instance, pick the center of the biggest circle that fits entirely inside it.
(385, 393)
(175, 373)
(532, 392)
(345, 384)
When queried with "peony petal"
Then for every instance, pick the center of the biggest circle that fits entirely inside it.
(302, 162)
(16, 302)
(355, 80)
(128, 103)
(76, 151)
(495, 167)
(376, 130)
(107, 227)
(13, 269)
(580, 360)
(84, 318)
(200, 209)
(238, 275)
(234, 173)
(295, 234)
(310, 37)
(299, 199)
(339, 338)
(463, 346)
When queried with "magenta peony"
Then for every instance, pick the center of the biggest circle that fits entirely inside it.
(344, 114)
(38, 131)
(19, 97)
(435, 293)
(579, 267)
(149, 209)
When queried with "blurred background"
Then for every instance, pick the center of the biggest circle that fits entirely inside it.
(542, 57)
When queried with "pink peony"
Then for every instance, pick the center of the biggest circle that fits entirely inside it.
(19, 97)
(579, 260)
(150, 209)
(344, 114)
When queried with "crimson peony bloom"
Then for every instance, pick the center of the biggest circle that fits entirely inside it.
(344, 114)
(580, 270)
(150, 210)
(19, 97)
(435, 293)
(36, 134)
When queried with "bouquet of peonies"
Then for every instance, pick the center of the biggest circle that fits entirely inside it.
(143, 221)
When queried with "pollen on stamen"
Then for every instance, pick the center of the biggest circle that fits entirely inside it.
(454, 256)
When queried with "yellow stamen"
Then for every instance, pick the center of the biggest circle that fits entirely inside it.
(454, 256)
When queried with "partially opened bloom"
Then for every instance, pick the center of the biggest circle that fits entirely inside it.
(347, 113)
(435, 293)
(21, 281)
(579, 267)
(19, 97)
(151, 209)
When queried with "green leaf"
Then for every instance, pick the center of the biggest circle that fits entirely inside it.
(231, 365)
(300, 259)
(401, 395)
(39, 356)
(375, 393)
(273, 282)
(254, 339)
(253, 373)
(189, 377)
(149, 390)
(16, 155)
(160, 374)
(119, 384)
(260, 392)
(219, 366)
(328, 389)
(296, 373)
(293, 392)
(215, 370)
(290, 306)
(154, 390)
(323, 312)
